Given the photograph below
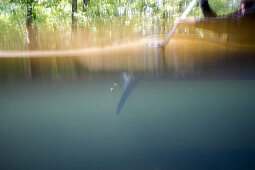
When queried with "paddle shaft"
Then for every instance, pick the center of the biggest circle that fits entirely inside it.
(185, 13)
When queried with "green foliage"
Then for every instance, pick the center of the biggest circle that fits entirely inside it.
(61, 9)
(56, 14)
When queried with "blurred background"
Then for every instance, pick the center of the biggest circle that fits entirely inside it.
(80, 89)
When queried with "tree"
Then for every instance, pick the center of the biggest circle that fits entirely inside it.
(85, 3)
(31, 38)
(74, 11)
(30, 15)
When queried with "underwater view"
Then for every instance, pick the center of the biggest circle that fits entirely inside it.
(121, 85)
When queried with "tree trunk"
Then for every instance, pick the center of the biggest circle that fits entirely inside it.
(74, 11)
(74, 23)
(85, 3)
(29, 11)
(31, 40)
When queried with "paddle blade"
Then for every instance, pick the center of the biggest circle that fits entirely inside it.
(126, 93)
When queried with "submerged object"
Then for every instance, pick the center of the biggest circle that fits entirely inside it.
(129, 85)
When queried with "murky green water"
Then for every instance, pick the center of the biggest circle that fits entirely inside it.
(163, 125)
(118, 104)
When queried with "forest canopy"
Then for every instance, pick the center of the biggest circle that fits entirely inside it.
(54, 10)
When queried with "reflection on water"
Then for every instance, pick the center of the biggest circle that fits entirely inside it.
(92, 33)
(185, 57)
(118, 104)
